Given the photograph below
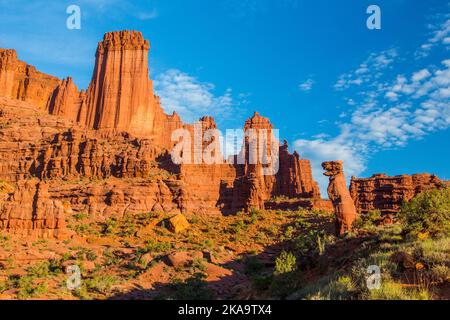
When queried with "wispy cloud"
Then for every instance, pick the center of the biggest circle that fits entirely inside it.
(307, 85)
(389, 109)
(153, 14)
(439, 35)
(372, 68)
(192, 98)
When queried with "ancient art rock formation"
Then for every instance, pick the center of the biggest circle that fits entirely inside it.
(387, 194)
(106, 151)
(344, 208)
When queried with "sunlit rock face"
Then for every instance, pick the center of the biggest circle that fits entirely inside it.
(387, 194)
(106, 151)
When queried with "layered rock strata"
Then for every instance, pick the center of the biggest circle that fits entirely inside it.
(106, 151)
(387, 194)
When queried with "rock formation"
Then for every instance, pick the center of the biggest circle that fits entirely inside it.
(105, 151)
(120, 97)
(19, 80)
(344, 208)
(387, 194)
(29, 211)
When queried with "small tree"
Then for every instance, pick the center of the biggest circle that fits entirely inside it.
(429, 212)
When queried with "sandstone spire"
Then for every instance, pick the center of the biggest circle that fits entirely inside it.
(344, 208)
(120, 95)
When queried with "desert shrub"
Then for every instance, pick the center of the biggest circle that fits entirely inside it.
(45, 269)
(129, 226)
(110, 226)
(289, 233)
(342, 288)
(368, 220)
(82, 229)
(101, 283)
(429, 212)
(440, 273)
(285, 279)
(26, 286)
(432, 252)
(198, 265)
(254, 216)
(391, 290)
(285, 263)
(314, 241)
(255, 270)
(3, 286)
(157, 246)
(90, 255)
(40, 270)
(110, 258)
(80, 216)
(238, 227)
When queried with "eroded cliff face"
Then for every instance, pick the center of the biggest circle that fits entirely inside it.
(387, 194)
(30, 211)
(106, 151)
(21, 81)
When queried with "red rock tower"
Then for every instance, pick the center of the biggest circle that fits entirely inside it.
(120, 96)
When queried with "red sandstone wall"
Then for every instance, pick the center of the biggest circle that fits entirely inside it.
(21, 81)
(381, 192)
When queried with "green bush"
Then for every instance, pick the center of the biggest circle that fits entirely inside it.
(429, 212)
(395, 291)
(368, 220)
(314, 241)
(285, 263)
(102, 284)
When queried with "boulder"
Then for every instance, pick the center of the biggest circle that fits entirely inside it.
(183, 258)
(178, 223)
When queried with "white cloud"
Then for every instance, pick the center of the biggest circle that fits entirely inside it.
(440, 35)
(369, 70)
(149, 15)
(307, 85)
(420, 75)
(191, 98)
(320, 150)
(389, 111)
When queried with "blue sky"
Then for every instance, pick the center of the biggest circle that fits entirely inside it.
(378, 99)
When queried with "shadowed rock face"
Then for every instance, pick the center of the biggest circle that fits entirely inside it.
(387, 194)
(105, 151)
(344, 208)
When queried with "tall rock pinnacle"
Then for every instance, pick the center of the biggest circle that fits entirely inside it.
(120, 95)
